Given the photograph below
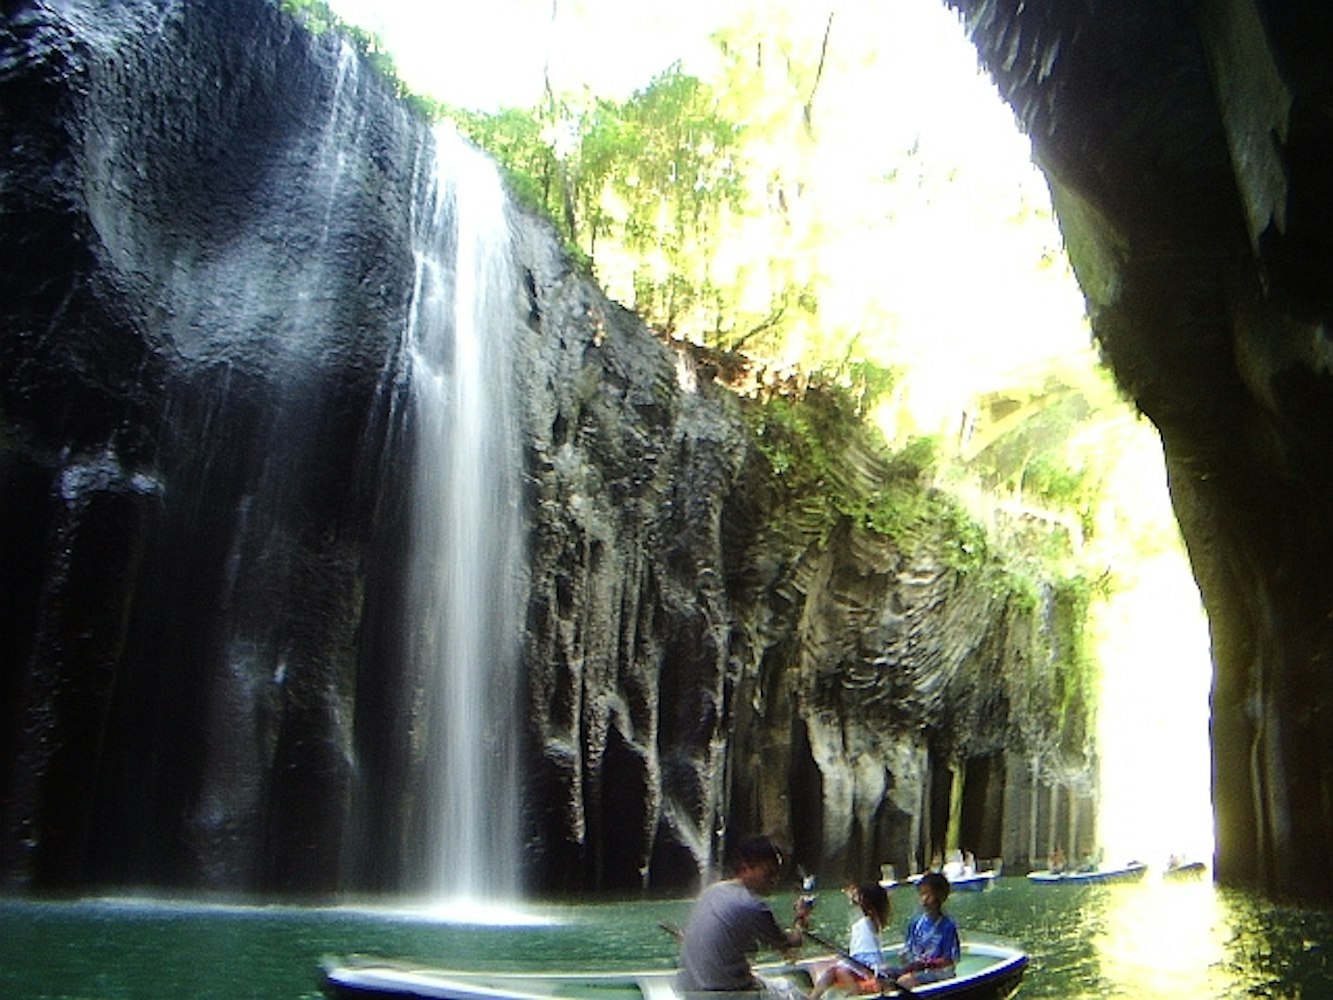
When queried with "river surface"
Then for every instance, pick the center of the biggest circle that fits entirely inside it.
(1148, 940)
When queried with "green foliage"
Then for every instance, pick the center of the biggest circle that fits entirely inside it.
(1062, 487)
(868, 383)
(680, 177)
(314, 14)
(801, 435)
(815, 440)
(516, 140)
(832, 466)
(1076, 676)
(649, 177)
(1029, 444)
(649, 183)
(318, 17)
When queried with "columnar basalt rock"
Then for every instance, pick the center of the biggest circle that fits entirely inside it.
(1188, 149)
(207, 213)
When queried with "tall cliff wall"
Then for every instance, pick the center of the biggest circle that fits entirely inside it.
(207, 216)
(1188, 149)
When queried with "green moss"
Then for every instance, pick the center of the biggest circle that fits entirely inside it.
(1076, 674)
(318, 17)
(831, 465)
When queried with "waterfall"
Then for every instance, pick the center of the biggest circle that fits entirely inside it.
(462, 600)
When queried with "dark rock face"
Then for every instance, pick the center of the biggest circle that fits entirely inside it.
(207, 215)
(1188, 148)
(700, 662)
(193, 347)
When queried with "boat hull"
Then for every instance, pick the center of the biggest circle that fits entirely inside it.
(979, 882)
(987, 972)
(1129, 873)
(971, 881)
(1188, 870)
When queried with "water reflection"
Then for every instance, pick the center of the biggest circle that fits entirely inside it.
(1279, 951)
(465, 910)
(462, 911)
(1155, 939)
(1165, 938)
(1146, 941)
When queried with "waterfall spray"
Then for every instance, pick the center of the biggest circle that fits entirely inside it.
(462, 600)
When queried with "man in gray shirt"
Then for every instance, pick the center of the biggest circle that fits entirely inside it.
(730, 922)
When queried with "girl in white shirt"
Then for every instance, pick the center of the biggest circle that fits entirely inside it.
(864, 946)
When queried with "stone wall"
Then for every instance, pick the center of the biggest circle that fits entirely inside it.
(207, 214)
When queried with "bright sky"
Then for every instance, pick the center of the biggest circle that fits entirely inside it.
(966, 299)
(494, 54)
(963, 300)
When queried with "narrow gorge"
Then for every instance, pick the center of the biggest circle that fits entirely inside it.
(207, 476)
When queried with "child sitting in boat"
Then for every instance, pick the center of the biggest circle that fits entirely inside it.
(860, 975)
(931, 949)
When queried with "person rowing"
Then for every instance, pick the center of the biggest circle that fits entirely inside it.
(730, 922)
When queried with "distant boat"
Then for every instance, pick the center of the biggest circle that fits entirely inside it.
(1178, 869)
(972, 881)
(987, 971)
(1132, 872)
(964, 877)
(964, 880)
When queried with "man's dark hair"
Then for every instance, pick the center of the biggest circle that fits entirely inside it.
(756, 851)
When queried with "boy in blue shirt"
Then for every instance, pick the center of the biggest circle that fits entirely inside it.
(931, 949)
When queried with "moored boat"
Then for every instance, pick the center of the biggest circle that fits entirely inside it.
(987, 971)
(964, 875)
(1132, 872)
(962, 881)
(1177, 869)
(972, 881)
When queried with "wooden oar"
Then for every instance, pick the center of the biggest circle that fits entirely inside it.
(879, 977)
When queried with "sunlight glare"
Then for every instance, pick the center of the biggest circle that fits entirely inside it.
(463, 911)
(1135, 954)
(1156, 674)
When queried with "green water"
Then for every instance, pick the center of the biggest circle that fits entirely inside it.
(1148, 940)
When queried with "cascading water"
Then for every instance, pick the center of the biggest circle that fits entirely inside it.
(462, 627)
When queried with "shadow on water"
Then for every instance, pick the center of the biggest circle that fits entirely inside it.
(1148, 940)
